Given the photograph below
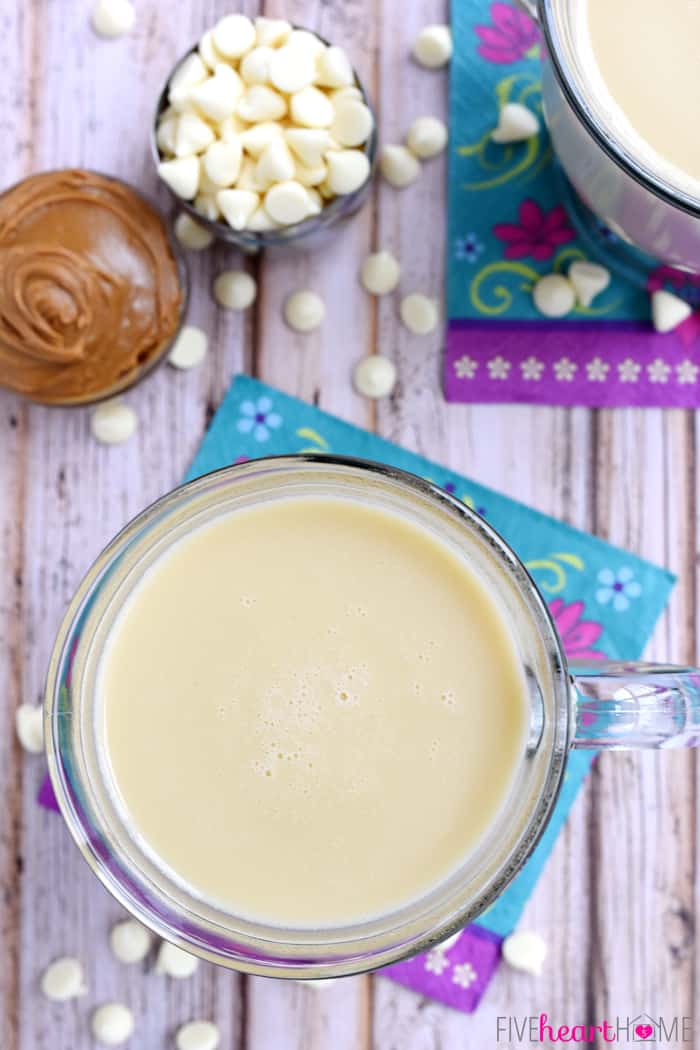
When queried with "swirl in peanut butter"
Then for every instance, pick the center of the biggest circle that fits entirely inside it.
(89, 289)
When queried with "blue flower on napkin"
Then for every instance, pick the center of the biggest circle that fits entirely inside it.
(258, 419)
(618, 587)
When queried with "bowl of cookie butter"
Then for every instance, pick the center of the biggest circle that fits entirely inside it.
(264, 133)
(93, 288)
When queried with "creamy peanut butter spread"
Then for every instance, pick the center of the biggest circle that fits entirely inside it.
(89, 287)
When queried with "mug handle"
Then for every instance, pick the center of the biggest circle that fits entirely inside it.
(635, 705)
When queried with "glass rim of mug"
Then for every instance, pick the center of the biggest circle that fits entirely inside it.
(545, 13)
(127, 868)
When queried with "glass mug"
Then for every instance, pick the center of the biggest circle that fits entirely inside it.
(637, 196)
(610, 705)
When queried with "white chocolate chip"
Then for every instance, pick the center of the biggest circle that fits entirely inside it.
(311, 108)
(276, 163)
(304, 311)
(260, 103)
(516, 123)
(189, 349)
(237, 206)
(291, 69)
(427, 136)
(217, 97)
(380, 273)
(255, 67)
(374, 376)
(112, 1024)
(113, 422)
(207, 52)
(432, 47)
(174, 962)
(130, 941)
(182, 176)
(398, 166)
(310, 176)
(554, 295)
(346, 92)
(247, 178)
(235, 290)
(348, 169)
(205, 204)
(188, 74)
(525, 951)
(419, 313)
(271, 32)
(190, 234)
(352, 124)
(165, 134)
(315, 200)
(308, 41)
(261, 222)
(231, 128)
(668, 310)
(222, 162)
(589, 280)
(198, 1035)
(309, 144)
(113, 17)
(333, 69)
(287, 202)
(193, 135)
(63, 980)
(234, 35)
(255, 139)
(29, 726)
(205, 183)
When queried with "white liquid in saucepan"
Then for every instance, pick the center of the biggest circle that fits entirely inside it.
(312, 711)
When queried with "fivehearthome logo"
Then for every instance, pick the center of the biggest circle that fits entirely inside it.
(643, 1028)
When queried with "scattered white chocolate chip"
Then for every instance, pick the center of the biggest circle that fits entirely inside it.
(255, 139)
(181, 175)
(287, 202)
(427, 136)
(668, 310)
(589, 279)
(352, 124)
(291, 69)
(130, 941)
(271, 32)
(333, 69)
(419, 313)
(113, 422)
(222, 162)
(255, 67)
(432, 47)
(112, 1024)
(525, 951)
(261, 102)
(217, 97)
(197, 1035)
(311, 108)
(207, 52)
(235, 290)
(348, 169)
(516, 123)
(398, 166)
(234, 35)
(309, 144)
(276, 163)
(190, 234)
(174, 962)
(304, 311)
(29, 726)
(189, 349)
(380, 273)
(189, 73)
(63, 980)
(113, 17)
(237, 206)
(308, 41)
(554, 295)
(374, 376)
(193, 135)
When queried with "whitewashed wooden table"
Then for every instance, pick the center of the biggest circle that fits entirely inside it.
(619, 895)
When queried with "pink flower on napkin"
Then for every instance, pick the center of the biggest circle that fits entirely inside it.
(539, 233)
(510, 38)
(577, 635)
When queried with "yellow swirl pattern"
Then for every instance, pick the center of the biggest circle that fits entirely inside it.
(501, 296)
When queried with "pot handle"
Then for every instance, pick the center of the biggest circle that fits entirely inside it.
(635, 705)
(530, 8)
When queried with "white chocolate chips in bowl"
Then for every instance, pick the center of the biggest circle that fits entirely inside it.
(263, 132)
